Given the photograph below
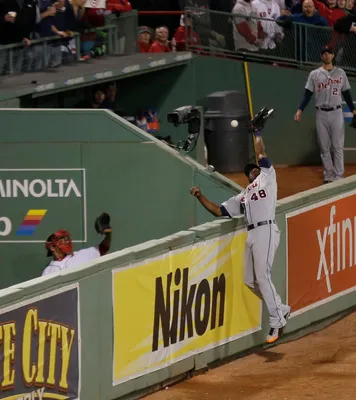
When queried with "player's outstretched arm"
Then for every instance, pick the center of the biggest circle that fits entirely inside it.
(257, 124)
(259, 145)
(210, 206)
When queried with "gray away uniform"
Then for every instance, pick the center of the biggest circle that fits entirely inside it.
(328, 87)
(258, 203)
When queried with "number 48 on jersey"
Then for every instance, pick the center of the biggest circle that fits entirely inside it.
(261, 194)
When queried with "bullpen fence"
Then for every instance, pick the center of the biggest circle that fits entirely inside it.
(282, 40)
(145, 315)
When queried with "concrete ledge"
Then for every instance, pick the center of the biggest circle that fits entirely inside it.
(206, 230)
(316, 194)
(228, 225)
(150, 249)
(180, 239)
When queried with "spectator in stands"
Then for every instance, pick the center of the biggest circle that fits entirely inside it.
(97, 100)
(308, 40)
(47, 11)
(76, 18)
(185, 34)
(283, 7)
(345, 27)
(349, 7)
(207, 27)
(17, 25)
(52, 23)
(247, 32)
(110, 97)
(272, 32)
(330, 11)
(144, 39)
(97, 10)
(161, 44)
(294, 6)
(308, 16)
(77, 21)
(118, 6)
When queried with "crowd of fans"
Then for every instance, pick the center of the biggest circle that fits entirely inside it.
(23, 22)
(158, 41)
(280, 28)
(259, 35)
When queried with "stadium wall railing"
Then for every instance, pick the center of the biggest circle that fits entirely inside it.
(149, 314)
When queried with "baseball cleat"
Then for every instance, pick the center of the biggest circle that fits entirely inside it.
(260, 119)
(287, 315)
(273, 335)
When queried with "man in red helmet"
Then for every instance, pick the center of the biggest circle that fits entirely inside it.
(59, 246)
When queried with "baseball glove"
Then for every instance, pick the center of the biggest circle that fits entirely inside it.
(102, 223)
(353, 122)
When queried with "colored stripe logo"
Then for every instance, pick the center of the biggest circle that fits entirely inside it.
(32, 219)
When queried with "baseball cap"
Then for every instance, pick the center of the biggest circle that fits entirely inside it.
(143, 29)
(327, 49)
(249, 168)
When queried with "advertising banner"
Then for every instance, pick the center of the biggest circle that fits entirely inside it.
(39, 348)
(179, 304)
(32, 199)
(321, 252)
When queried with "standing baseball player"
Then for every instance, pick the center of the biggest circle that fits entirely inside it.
(257, 203)
(329, 85)
(59, 246)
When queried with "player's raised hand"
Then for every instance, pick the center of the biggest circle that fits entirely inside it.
(195, 191)
(298, 116)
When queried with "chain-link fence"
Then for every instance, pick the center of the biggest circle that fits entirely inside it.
(252, 38)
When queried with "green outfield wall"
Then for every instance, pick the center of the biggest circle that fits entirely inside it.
(149, 313)
(189, 82)
(64, 167)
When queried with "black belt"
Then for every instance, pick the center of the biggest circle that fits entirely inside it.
(328, 109)
(253, 226)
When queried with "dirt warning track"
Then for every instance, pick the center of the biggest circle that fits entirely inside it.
(320, 366)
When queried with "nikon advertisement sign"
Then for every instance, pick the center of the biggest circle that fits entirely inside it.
(34, 201)
(39, 352)
(186, 301)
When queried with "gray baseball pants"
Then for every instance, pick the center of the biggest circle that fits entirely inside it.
(330, 128)
(261, 245)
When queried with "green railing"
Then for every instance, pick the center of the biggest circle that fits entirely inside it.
(287, 42)
(125, 40)
(117, 37)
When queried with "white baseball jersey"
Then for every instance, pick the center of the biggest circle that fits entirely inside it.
(243, 8)
(258, 200)
(79, 257)
(328, 86)
(268, 9)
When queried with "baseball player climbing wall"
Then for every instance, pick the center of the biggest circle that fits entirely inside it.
(329, 84)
